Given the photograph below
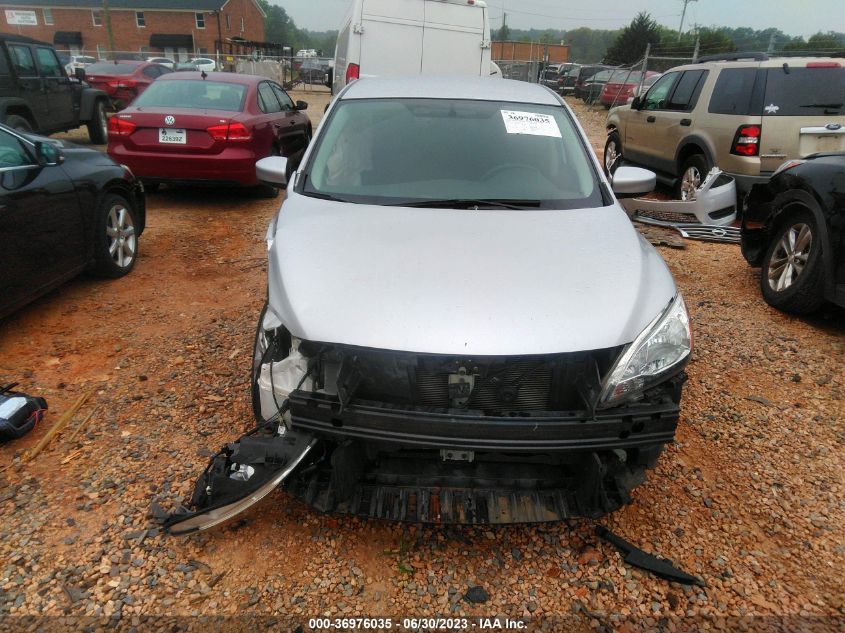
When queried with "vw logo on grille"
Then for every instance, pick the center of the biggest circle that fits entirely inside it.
(718, 232)
(169, 120)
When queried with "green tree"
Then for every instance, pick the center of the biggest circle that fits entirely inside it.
(631, 43)
(504, 33)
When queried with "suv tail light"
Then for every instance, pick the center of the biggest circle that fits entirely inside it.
(747, 141)
(121, 127)
(353, 72)
(824, 65)
(229, 132)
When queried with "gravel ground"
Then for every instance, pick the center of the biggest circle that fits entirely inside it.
(750, 497)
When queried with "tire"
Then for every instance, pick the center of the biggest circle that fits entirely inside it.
(115, 238)
(613, 145)
(693, 172)
(18, 123)
(98, 130)
(786, 284)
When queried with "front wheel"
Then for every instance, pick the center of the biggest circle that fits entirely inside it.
(115, 239)
(612, 153)
(693, 172)
(98, 130)
(18, 123)
(792, 277)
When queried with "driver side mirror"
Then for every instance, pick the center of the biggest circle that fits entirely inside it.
(630, 182)
(48, 154)
(636, 103)
(301, 105)
(79, 73)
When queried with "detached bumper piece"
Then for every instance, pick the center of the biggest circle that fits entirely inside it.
(239, 476)
(417, 488)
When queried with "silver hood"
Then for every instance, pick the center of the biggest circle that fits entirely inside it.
(488, 282)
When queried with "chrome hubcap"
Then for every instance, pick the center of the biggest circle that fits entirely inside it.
(121, 234)
(610, 155)
(690, 182)
(790, 257)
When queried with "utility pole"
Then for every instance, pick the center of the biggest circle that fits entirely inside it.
(697, 47)
(107, 22)
(771, 48)
(683, 15)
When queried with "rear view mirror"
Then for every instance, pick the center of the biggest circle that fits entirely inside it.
(630, 182)
(79, 73)
(272, 170)
(301, 105)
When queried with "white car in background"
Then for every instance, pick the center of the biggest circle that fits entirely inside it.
(204, 63)
(78, 61)
(164, 61)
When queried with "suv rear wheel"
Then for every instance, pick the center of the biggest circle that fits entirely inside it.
(693, 172)
(791, 277)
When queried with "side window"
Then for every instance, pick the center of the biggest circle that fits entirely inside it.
(22, 60)
(282, 96)
(163, 70)
(686, 91)
(266, 99)
(656, 97)
(733, 91)
(151, 71)
(4, 64)
(12, 152)
(48, 63)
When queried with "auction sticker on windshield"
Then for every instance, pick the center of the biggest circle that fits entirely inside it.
(530, 123)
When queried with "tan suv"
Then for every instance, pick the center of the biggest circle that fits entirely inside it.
(745, 113)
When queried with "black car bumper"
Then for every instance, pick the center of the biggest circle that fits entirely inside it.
(642, 424)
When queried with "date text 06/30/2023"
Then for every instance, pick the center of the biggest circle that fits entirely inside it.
(416, 624)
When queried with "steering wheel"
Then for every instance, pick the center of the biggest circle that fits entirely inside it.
(493, 171)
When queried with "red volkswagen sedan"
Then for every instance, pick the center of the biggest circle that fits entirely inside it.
(194, 127)
(123, 80)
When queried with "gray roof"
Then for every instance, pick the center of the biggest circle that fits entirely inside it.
(458, 87)
(173, 5)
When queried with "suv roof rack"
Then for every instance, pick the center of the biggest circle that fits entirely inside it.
(733, 57)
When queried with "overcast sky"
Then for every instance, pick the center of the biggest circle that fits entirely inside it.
(790, 16)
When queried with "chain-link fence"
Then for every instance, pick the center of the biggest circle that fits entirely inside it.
(520, 70)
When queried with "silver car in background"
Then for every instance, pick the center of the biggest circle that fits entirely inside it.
(462, 324)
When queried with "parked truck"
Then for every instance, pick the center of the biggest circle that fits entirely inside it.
(410, 37)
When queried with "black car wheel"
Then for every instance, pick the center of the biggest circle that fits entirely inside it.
(98, 130)
(116, 240)
(18, 123)
(792, 278)
(612, 152)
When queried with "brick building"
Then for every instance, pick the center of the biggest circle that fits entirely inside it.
(173, 28)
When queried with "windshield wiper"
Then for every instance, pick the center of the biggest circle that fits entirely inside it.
(324, 196)
(468, 203)
(822, 105)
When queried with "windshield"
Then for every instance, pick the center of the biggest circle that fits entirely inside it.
(416, 150)
(193, 94)
(110, 68)
(805, 92)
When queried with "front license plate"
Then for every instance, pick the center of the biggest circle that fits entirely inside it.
(172, 136)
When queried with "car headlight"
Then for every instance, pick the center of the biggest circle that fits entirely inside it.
(661, 349)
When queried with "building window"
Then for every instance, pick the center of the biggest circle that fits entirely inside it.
(242, 25)
(228, 22)
(202, 51)
(96, 17)
(48, 16)
(101, 51)
(200, 20)
(140, 21)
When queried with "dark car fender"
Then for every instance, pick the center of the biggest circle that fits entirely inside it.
(16, 105)
(87, 100)
(765, 207)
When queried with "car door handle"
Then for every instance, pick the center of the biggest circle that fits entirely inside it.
(651, 119)
(686, 122)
